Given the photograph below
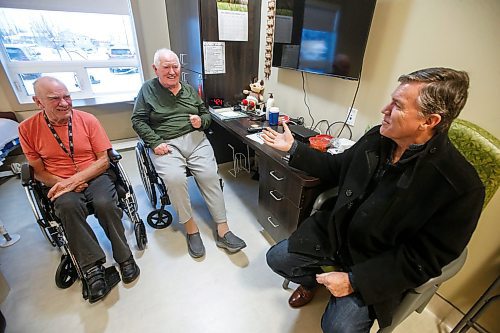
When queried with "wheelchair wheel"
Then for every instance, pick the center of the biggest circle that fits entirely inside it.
(160, 218)
(142, 163)
(140, 235)
(66, 273)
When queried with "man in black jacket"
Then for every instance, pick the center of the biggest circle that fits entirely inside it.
(407, 206)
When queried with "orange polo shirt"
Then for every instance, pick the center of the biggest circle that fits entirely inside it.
(38, 142)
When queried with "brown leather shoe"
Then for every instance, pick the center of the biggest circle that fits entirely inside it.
(301, 296)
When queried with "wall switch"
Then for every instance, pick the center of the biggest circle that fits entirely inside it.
(351, 116)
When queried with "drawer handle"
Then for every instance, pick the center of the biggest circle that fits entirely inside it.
(271, 222)
(275, 197)
(276, 177)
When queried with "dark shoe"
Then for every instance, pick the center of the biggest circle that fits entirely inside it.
(97, 287)
(230, 242)
(196, 248)
(129, 270)
(301, 296)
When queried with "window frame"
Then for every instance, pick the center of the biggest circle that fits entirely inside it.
(85, 96)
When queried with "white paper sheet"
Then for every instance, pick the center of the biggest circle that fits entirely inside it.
(214, 55)
(256, 137)
(233, 21)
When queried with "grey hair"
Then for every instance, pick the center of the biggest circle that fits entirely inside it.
(160, 53)
(445, 93)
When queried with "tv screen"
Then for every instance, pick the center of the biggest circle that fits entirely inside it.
(322, 36)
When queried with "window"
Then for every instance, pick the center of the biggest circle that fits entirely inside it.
(90, 46)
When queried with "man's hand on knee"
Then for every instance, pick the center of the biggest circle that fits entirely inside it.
(336, 282)
(65, 186)
(162, 149)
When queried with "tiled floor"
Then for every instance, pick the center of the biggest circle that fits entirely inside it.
(175, 293)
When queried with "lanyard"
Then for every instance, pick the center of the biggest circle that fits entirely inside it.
(59, 141)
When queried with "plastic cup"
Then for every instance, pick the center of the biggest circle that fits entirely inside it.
(274, 114)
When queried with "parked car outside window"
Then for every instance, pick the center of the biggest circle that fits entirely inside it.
(117, 52)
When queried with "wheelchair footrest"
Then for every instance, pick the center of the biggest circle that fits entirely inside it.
(112, 278)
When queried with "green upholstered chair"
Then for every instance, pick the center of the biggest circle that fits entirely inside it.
(482, 150)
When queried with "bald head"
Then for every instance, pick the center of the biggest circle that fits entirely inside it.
(46, 82)
(53, 98)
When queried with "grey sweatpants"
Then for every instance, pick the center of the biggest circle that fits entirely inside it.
(192, 150)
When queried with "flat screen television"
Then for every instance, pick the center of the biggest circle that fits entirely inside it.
(322, 36)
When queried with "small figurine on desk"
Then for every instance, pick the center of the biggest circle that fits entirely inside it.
(255, 95)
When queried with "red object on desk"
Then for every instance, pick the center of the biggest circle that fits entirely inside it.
(283, 118)
(320, 142)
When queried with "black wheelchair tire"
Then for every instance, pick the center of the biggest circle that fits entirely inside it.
(160, 218)
(66, 273)
(140, 235)
(149, 186)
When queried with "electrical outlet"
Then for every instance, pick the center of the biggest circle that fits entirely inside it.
(351, 116)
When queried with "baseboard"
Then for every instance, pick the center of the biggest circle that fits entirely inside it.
(124, 144)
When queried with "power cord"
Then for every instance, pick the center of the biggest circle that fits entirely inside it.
(322, 121)
(338, 135)
(354, 98)
(305, 100)
(297, 121)
(350, 109)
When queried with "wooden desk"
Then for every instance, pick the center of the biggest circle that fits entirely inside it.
(286, 195)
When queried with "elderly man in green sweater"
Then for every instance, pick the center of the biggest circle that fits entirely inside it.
(170, 117)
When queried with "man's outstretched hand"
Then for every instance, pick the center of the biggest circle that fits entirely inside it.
(281, 141)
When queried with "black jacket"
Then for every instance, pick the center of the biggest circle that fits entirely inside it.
(406, 229)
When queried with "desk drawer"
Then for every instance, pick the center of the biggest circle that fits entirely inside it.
(279, 220)
(280, 180)
(282, 211)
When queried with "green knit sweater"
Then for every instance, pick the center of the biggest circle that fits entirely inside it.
(160, 115)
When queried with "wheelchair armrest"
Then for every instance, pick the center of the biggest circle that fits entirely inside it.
(113, 155)
(26, 174)
(447, 272)
(325, 197)
(144, 144)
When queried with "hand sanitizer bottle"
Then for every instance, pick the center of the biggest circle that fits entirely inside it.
(269, 105)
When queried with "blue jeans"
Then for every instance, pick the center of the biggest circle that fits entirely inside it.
(346, 314)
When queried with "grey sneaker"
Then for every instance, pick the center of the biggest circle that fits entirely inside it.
(196, 248)
(230, 242)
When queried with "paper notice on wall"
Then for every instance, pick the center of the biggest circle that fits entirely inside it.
(233, 21)
(214, 56)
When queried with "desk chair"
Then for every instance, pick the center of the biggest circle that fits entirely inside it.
(482, 150)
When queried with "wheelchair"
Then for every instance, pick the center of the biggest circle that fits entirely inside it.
(43, 209)
(155, 187)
